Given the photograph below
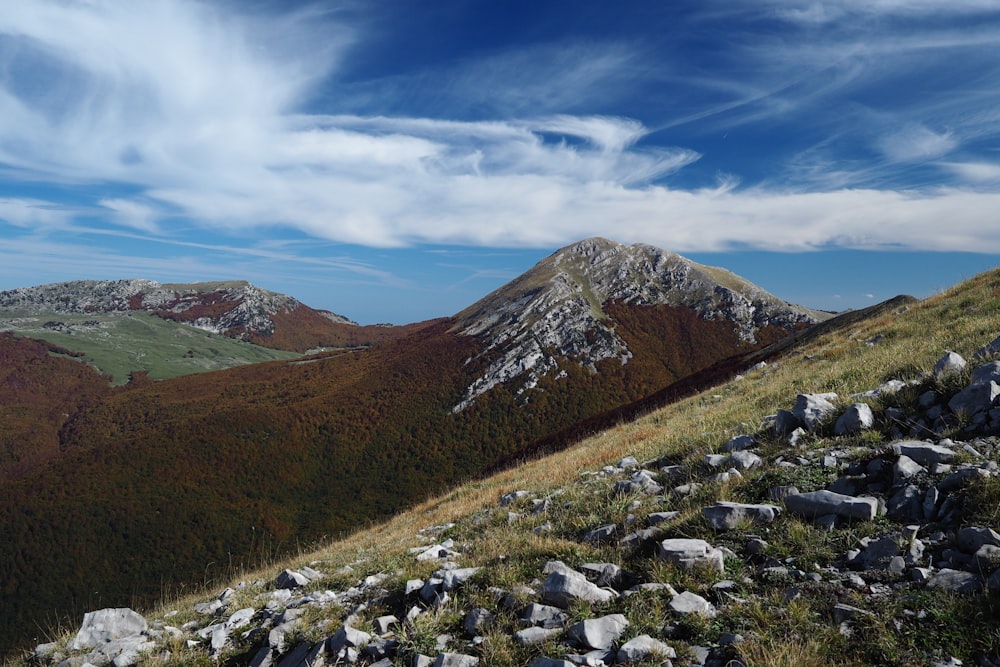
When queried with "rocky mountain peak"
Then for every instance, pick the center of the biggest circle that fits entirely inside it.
(556, 309)
(235, 308)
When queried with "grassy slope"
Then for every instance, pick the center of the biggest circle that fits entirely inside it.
(119, 344)
(962, 319)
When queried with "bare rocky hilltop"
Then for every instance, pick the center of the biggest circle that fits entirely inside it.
(558, 308)
(235, 308)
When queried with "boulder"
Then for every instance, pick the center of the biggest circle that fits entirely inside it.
(905, 468)
(956, 581)
(290, 579)
(811, 409)
(599, 633)
(642, 648)
(692, 603)
(972, 538)
(986, 373)
(550, 662)
(476, 621)
(975, 398)
(535, 635)
(726, 515)
(564, 586)
(689, 553)
(856, 418)
(816, 504)
(950, 364)
(455, 660)
(990, 350)
(922, 452)
(738, 443)
(543, 615)
(107, 625)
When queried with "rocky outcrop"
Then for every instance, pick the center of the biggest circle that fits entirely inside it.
(234, 308)
(899, 534)
(556, 310)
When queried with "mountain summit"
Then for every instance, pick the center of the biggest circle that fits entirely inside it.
(558, 309)
(235, 308)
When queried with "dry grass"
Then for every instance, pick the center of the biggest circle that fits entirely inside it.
(962, 319)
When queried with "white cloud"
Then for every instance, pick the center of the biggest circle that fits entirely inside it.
(916, 143)
(132, 213)
(975, 172)
(33, 213)
(202, 114)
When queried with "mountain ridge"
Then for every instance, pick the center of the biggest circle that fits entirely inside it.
(557, 308)
(264, 452)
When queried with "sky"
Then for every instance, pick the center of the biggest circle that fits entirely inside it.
(395, 161)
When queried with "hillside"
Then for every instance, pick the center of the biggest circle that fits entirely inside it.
(622, 547)
(235, 466)
(122, 326)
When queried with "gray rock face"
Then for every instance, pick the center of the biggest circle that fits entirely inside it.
(726, 515)
(290, 579)
(950, 364)
(811, 409)
(543, 615)
(692, 603)
(643, 648)
(535, 635)
(106, 625)
(819, 503)
(923, 453)
(550, 662)
(455, 660)
(975, 398)
(956, 581)
(690, 553)
(599, 633)
(527, 328)
(562, 587)
(856, 418)
(986, 373)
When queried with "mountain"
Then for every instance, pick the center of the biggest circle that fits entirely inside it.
(570, 305)
(127, 328)
(235, 309)
(763, 522)
(238, 465)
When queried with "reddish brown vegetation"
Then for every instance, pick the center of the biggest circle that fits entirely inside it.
(39, 391)
(303, 329)
(157, 480)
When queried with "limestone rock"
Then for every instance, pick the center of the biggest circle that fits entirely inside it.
(950, 364)
(922, 452)
(689, 553)
(816, 504)
(692, 603)
(106, 625)
(956, 581)
(975, 398)
(565, 585)
(727, 515)
(290, 579)
(455, 660)
(599, 633)
(535, 635)
(856, 418)
(643, 648)
(811, 409)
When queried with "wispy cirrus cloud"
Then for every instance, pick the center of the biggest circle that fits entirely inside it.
(189, 112)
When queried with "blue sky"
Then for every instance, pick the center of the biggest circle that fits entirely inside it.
(395, 161)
